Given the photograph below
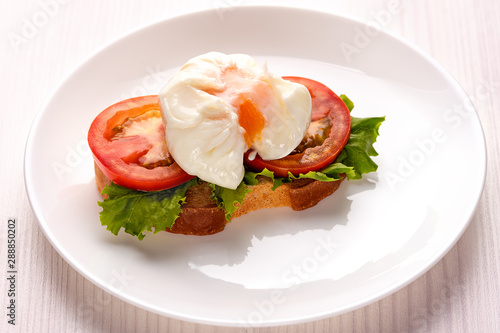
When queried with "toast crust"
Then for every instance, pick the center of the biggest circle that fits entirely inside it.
(201, 216)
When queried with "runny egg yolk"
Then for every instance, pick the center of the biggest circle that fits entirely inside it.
(252, 121)
(243, 93)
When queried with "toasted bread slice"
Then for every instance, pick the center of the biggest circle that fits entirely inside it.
(201, 216)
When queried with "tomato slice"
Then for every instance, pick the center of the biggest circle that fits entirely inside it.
(327, 135)
(128, 144)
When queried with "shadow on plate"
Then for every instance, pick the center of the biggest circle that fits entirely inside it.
(230, 246)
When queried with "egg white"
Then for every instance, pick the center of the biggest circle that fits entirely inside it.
(200, 111)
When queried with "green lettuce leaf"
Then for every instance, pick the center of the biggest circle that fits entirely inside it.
(138, 212)
(347, 101)
(228, 199)
(359, 148)
(329, 174)
(250, 178)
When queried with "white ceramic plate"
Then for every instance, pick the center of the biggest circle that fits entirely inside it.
(271, 267)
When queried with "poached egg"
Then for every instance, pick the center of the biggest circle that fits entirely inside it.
(217, 106)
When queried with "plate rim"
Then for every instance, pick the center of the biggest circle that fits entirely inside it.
(430, 262)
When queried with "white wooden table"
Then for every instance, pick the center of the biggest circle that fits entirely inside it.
(41, 42)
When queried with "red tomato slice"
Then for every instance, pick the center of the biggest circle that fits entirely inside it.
(128, 143)
(327, 135)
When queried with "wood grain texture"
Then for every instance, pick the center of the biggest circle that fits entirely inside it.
(459, 294)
